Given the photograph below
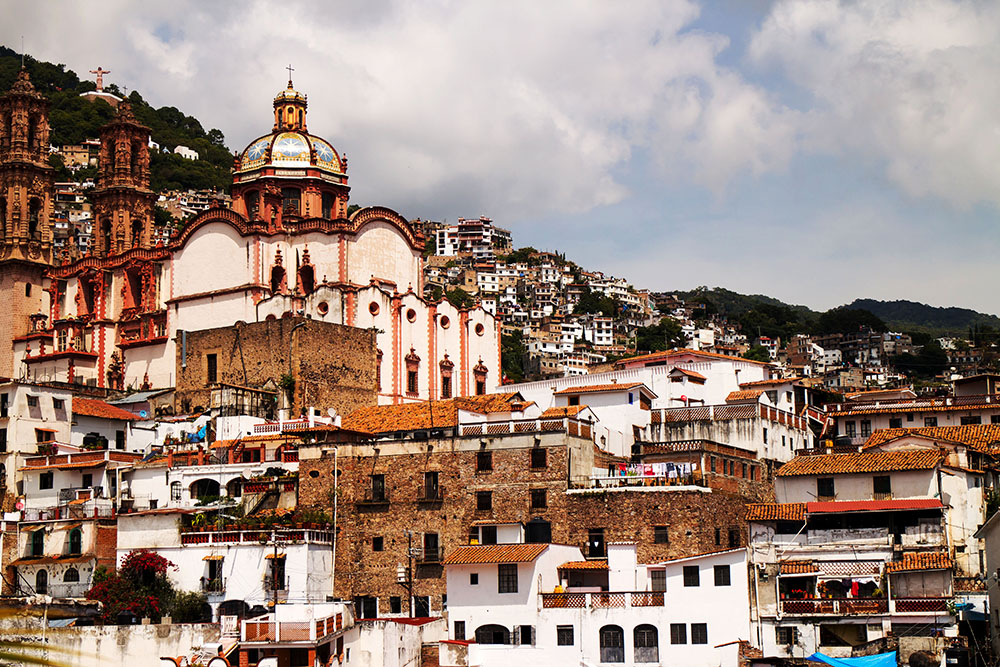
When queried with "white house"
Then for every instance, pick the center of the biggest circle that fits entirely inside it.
(186, 153)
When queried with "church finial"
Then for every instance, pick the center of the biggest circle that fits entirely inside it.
(290, 70)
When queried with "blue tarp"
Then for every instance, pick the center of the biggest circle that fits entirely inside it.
(880, 660)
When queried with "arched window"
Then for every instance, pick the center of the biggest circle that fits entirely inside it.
(106, 235)
(307, 279)
(72, 576)
(75, 542)
(205, 488)
(42, 582)
(612, 644)
(34, 209)
(277, 278)
(328, 205)
(647, 643)
(136, 233)
(252, 200)
(492, 634)
(134, 156)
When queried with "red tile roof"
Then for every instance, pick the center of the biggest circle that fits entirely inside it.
(495, 553)
(423, 414)
(912, 407)
(744, 395)
(980, 437)
(585, 565)
(776, 512)
(838, 506)
(798, 567)
(691, 374)
(91, 407)
(774, 382)
(598, 388)
(563, 411)
(861, 462)
(913, 562)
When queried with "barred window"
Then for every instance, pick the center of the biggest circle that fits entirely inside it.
(507, 578)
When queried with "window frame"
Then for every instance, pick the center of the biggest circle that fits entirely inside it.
(722, 575)
(692, 576)
(506, 578)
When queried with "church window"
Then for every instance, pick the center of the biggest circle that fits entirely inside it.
(480, 329)
(373, 308)
(412, 386)
(252, 199)
(34, 208)
(322, 307)
(328, 205)
(3, 216)
(290, 200)
(32, 130)
(61, 340)
(445, 322)
(412, 373)
(136, 233)
(411, 315)
(446, 385)
(106, 235)
(300, 117)
(134, 159)
(277, 278)
(307, 279)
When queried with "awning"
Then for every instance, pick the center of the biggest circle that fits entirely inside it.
(69, 526)
(273, 556)
(213, 557)
(31, 529)
(880, 660)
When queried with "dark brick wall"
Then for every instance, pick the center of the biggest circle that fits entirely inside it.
(333, 365)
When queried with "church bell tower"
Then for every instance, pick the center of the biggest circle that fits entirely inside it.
(123, 202)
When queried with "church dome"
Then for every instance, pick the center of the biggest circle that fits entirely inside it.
(289, 145)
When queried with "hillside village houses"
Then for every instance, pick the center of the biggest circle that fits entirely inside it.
(324, 446)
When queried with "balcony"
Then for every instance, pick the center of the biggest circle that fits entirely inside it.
(430, 556)
(217, 585)
(283, 535)
(268, 630)
(603, 600)
(374, 498)
(434, 495)
(865, 606)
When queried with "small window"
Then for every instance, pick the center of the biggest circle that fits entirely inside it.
(722, 575)
(851, 429)
(765, 436)
(87, 480)
(691, 575)
(3, 440)
(58, 404)
(699, 633)
(460, 630)
(32, 401)
(882, 485)
(658, 580)
(539, 458)
(507, 578)
(595, 543)
(894, 422)
(824, 487)
(473, 578)
(678, 633)
(71, 576)
(484, 461)
(564, 635)
(484, 500)
(45, 480)
(661, 535)
(574, 400)
(211, 368)
(421, 606)
(378, 543)
(786, 636)
(175, 491)
(995, 419)
(412, 385)
(526, 635)
(538, 499)
(734, 538)
(866, 428)
(119, 439)
(971, 419)
(395, 605)
(909, 416)
(930, 421)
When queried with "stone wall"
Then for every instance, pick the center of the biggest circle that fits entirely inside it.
(698, 520)
(333, 365)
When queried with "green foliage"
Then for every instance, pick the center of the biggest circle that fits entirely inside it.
(520, 256)
(914, 316)
(139, 587)
(512, 355)
(460, 298)
(666, 335)
(190, 607)
(847, 320)
(595, 303)
(430, 245)
(758, 353)
(73, 119)
(351, 209)
(287, 382)
(931, 361)
(162, 217)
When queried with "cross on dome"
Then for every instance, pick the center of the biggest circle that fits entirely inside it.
(290, 70)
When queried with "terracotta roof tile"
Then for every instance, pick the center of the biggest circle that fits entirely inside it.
(774, 382)
(744, 395)
(598, 388)
(912, 407)
(798, 567)
(563, 411)
(495, 553)
(776, 512)
(424, 414)
(845, 464)
(980, 437)
(691, 374)
(91, 407)
(585, 565)
(913, 562)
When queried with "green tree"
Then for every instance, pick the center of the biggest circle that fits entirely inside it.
(848, 320)
(460, 298)
(140, 587)
(595, 303)
(664, 335)
(512, 355)
(757, 353)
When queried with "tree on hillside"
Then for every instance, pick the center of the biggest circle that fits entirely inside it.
(595, 303)
(512, 354)
(848, 320)
(665, 335)
(931, 361)
(758, 353)
(460, 298)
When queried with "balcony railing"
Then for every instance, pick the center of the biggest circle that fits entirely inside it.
(430, 555)
(268, 630)
(864, 606)
(217, 585)
(435, 495)
(603, 600)
(374, 497)
(573, 427)
(258, 535)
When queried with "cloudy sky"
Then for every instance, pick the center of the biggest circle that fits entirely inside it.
(816, 151)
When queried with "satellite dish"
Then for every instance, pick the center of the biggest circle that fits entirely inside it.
(20, 505)
(143, 414)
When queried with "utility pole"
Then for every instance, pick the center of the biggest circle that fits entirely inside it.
(274, 574)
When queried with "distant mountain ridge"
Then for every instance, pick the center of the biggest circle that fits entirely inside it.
(912, 315)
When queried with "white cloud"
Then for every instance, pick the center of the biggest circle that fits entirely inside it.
(907, 84)
(448, 108)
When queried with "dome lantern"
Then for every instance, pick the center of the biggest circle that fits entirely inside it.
(290, 108)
